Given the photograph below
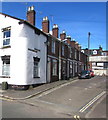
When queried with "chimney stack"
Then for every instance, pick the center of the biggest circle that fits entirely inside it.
(55, 30)
(63, 35)
(79, 47)
(72, 43)
(31, 15)
(68, 39)
(76, 45)
(45, 25)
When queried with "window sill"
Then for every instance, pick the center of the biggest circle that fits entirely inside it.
(4, 76)
(6, 47)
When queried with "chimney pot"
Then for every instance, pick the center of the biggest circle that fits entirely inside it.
(32, 7)
(45, 18)
(55, 26)
(63, 31)
(68, 39)
(63, 35)
(28, 8)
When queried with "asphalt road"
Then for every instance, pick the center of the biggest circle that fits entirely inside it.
(85, 98)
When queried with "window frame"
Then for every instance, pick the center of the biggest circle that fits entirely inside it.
(75, 54)
(63, 50)
(6, 36)
(5, 66)
(36, 67)
(70, 49)
(53, 46)
(54, 69)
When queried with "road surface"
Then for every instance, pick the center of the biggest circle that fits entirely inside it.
(84, 98)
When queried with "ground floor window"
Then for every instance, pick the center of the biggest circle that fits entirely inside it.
(70, 67)
(64, 68)
(5, 65)
(54, 72)
(36, 67)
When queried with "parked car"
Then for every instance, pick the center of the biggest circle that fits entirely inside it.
(84, 74)
(91, 73)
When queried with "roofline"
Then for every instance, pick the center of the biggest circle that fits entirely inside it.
(11, 16)
(24, 21)
(32, 26)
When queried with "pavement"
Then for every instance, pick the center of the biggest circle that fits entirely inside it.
(26, 94)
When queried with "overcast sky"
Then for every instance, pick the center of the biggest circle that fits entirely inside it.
(76, 18)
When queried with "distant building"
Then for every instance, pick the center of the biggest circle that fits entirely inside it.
(98, 60)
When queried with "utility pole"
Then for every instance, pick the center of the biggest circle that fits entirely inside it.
(89, 40)
(88, 48)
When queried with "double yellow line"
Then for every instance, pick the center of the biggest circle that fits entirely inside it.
(92, 101)
(6, 99)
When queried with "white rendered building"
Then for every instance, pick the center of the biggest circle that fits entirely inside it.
(23, 52)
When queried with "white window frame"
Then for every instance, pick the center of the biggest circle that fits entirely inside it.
(70, 67)
(70, 52)
(54, 70)
(75, 54)
(53, 46)
(63, 47)
(6, 66)
(79, 55)
(6, 37)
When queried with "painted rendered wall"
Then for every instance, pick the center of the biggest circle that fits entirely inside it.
(21, 60)
(38, 42)
(17, 51)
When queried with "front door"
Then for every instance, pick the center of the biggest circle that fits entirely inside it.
(49, 71)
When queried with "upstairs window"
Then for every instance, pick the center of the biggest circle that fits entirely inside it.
(63, 50)
(79, 56)
(75, 54)
(70, 52)
(53, 46)
(6, 36)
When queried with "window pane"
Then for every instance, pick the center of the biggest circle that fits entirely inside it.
(106, 65)
(54, 67)
(6, 34)
(35, 73)
(53, 46)
(6, 42)
(63, 50)
(6, 69)
(6, 65)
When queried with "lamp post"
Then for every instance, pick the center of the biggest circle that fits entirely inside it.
(88, 48)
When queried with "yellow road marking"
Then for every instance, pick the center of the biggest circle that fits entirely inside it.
(77, 117)
(92, 101)
(5, 99)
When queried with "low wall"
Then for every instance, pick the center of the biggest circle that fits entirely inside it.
(101, 72)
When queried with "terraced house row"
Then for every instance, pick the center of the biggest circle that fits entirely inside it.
(30, 56)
